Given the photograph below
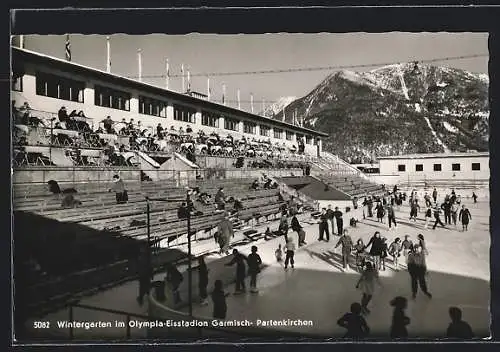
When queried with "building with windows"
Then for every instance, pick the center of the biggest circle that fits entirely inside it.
(472, 166)
(48, 83)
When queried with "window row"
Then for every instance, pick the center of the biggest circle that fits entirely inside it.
(58, 87)
(438, 167)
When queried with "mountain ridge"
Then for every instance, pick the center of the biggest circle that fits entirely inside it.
(397, 109)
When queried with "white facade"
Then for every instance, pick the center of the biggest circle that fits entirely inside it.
(452, 166)
(98, 113)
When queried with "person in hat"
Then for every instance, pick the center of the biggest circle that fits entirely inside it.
(62, 114)
(119, 188)
(465, 217)
(254, 264)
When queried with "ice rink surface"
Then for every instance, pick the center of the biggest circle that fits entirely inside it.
(318, 289)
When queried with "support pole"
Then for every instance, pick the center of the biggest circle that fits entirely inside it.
(190, 274)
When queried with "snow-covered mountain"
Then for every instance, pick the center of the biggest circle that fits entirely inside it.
(277, 106)
(398, 109)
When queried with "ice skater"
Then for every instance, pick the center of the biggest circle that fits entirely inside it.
(354, 322)
(279, 254)
(346, 242)
(414, 208)
(375, 249)
(366, 284)
(437, 217)
(465, 217)
(399, 318)
(254, 264)
(417, 270)
(395, 252)
(380, 212)
(239, 260)
(428, 217)
(290, 252)
(391, 216)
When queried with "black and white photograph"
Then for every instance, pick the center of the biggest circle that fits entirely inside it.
(280, 185)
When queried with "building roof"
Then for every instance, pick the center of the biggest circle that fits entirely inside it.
(28, 55)
(314, 188)
(436, 156)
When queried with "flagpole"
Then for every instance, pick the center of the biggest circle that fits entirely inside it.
(108, 58)
(183, 83)
(223, 94)
(263, 107)
(238, 97)
(188, 80)
(139, 62)
(208, 88)
(167, 78)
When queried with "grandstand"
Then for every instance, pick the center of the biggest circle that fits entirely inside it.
(64, 252)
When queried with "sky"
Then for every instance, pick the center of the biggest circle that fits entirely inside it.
(236, 53)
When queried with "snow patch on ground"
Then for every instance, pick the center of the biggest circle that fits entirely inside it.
(417, 107)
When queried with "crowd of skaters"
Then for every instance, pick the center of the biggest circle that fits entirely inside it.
(370, 259)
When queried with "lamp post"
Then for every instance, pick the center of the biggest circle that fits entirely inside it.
(190, 274)
(149, 256)
(51, 138)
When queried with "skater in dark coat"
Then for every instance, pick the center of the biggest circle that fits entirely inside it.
(399, 319)
(435, 195)
(391, 216)
(340, 222)
(323, 226)
(437, 217)
(346, 242)
(458, 329)
(380, 212)
(446, 207)
(376, 249)
(417, 270)
(354, 322)
(465, 217)
(219, 301)
(239, 260)
(474, 196)
(370, 207)
(254, 263)
(297, 227)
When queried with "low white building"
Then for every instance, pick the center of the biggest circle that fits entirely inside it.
(441, 170)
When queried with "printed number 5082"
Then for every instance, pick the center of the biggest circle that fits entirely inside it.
(41, 324)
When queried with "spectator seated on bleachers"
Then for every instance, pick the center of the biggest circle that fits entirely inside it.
(255, 185)
(238, 205)
(220, 199)
(55, 189)
(69, 201)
